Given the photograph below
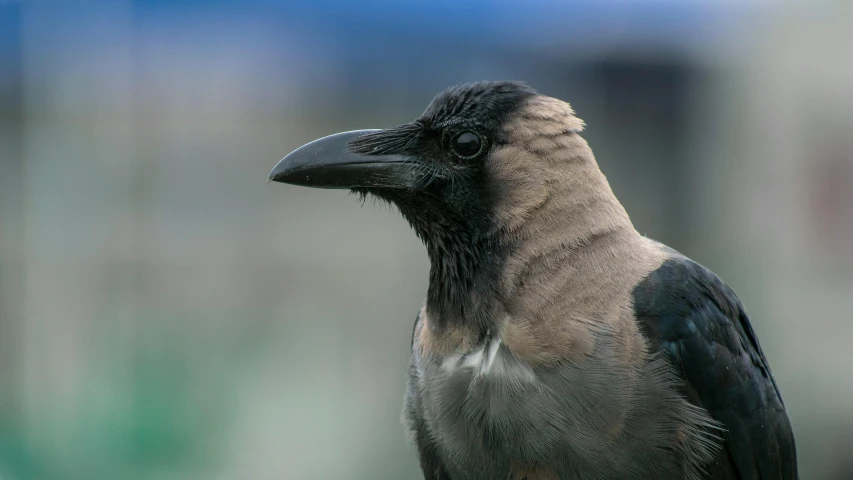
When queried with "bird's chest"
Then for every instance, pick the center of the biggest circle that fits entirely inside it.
(484, 407)
(492, 411)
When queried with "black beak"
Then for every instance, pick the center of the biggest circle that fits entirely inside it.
(329, 163)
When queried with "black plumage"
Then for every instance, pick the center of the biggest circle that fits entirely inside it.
(699, 324)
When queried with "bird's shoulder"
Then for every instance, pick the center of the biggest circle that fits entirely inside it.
(698, 323)
(683, 301)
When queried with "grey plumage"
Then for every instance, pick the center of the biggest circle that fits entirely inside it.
(556, 342)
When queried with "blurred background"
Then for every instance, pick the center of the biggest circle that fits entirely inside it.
(165, 314)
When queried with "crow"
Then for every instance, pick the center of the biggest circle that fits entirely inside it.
(555, 342)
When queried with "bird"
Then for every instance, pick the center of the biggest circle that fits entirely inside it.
(555, 341)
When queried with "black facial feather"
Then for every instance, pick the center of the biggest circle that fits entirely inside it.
(483, 106)
(390, 141)
(487, 103)
(452, 210)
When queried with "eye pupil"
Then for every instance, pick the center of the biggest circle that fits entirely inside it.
(467, 144)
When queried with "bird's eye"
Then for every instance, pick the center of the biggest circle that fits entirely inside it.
(467, 144)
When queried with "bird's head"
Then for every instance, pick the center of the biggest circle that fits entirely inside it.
(476, 160)
(469, 174)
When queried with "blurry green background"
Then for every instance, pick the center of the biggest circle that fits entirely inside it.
(165, 314)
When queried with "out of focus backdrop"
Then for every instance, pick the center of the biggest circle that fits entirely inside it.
(165, 314)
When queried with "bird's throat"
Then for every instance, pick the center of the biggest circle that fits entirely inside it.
(465, 266)
(463, 281)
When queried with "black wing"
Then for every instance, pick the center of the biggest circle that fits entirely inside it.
(700, 325)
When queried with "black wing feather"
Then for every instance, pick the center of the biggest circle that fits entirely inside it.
(686, 311)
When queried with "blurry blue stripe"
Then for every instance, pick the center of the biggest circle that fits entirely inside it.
(478, 20)
(10, 41)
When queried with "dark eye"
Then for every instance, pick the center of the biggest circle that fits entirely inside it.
(467, 144)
